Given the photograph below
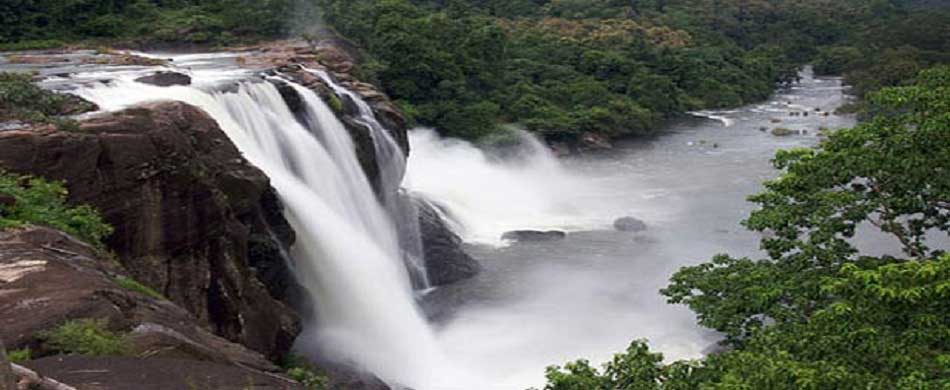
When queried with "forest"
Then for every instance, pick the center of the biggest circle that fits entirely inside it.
(559, 68)
(814, 312)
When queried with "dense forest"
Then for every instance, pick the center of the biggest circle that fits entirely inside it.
(556, 67)
(814, 312)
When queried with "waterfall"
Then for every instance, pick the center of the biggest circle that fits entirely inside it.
(392, 166)
(347, 254)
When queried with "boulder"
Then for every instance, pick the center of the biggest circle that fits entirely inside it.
(782, 131)
(594, 141)
(445, 260)
(629, 224)
(165, 79)
(47, 278)
(534, 235)
(193, 219)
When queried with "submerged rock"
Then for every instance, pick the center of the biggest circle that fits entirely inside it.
(165, 79)
(629, 224)
(534, 235)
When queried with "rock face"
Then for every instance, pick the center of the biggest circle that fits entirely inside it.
(629, 224)
(165, 79)
(47, 278)
(130, 373)
(534, 235)
(191, 216)
(445, 260)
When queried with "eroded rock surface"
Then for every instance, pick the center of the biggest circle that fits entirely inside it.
(190, 214)
(48, 278)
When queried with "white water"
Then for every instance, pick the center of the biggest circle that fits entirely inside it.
(392, 167)
(487, 197)
(347, 253)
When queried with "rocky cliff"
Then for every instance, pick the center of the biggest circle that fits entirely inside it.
(191, 216)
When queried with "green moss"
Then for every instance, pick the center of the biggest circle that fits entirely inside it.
(41, 202)
(300, 370)
(20, 355)
(133, 285)
(335, 103)
(22, 100)
(85, 337)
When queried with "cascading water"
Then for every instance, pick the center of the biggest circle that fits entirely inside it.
(392, 166)
(347, 254)
(487, 196)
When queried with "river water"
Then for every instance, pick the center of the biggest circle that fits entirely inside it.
(543, 303)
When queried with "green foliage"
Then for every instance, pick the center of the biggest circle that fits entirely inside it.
(151, 21)
(22, 100)
(816, 314)
(41, 202)
(20, 356)
(85, 337)
(300, 370)
(133, 285)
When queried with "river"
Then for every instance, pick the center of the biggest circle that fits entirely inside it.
(589, 295)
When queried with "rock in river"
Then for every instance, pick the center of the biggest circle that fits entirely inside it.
(629, 224)
(165, 79)
(534, 235)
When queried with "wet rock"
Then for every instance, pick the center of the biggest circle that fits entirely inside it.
(629, 224)
(165, 79)
(594, 141)
(185, 206)
(445, 260)
(534, 235)
(782, 132)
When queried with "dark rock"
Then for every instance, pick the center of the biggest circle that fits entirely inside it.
(7, 200)
(165, 79)
(445, 260)
(594, 141)
(534, 235)
(47, 278)
(184, 204)
(129, 373)
(629, 224)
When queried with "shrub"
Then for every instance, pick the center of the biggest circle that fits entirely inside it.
(41, 202)
(85, 337)
(22, 100)
(20, 355)
(133, 285)
(300, 370)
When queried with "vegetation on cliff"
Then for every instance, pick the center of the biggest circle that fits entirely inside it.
(817, 313)
(21, 100)
(33, 200)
